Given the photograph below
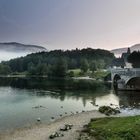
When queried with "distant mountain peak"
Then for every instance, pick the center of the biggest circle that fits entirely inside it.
(19, 47)
(119, 51)
(136, 46)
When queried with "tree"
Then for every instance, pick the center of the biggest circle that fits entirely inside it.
(41, 69)
(72, 59)
(4, 69)
(84, 65)
(101, 64)
(93, 66)
(134, 59)
(31, 69)
(59, 69)
(72, 63)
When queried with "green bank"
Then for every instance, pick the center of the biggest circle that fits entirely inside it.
(122, 128)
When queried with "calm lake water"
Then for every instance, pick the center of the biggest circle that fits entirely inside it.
(20, 98)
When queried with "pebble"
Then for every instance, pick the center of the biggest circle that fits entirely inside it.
(38, 119)
(56, 134)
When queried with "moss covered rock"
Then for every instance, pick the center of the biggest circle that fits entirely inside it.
(107, 110)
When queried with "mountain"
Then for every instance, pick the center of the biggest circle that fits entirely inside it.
(119, 51)
(12, 50)
(18, 47)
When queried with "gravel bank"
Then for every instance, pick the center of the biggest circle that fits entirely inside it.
(42, 131)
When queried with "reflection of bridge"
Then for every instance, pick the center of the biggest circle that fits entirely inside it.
(126, 79)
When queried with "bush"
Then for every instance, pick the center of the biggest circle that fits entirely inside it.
(71, 74)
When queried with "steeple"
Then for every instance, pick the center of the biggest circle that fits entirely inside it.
(128, 51)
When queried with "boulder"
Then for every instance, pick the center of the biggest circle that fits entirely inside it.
(66, 127)
(107, 110)
(55, 134)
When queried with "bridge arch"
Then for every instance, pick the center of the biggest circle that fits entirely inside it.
(115, 80)
(133, 82)
(126, 79)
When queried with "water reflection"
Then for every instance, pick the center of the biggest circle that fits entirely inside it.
(107, 100)
(52, 84)
(129, 98)
(18, 96)
(99, 93)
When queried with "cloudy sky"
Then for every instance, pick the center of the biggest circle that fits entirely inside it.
(68, 24)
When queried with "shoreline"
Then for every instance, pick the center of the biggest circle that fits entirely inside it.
(43, 131)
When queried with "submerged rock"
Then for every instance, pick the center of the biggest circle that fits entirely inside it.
(72, 113)
(39, 106)
(107, 110)
(38, 119)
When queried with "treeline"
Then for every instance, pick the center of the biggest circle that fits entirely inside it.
(57, 62)
(134, 59)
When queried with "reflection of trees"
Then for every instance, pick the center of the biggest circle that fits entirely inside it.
(104, 98)
(84, 101)
(62, 96)
(71, 89)
(54, 84)
(59, 88)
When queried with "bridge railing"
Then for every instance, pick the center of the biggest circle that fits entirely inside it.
(128, 72)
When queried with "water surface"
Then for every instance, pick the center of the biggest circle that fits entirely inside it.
(20, 98)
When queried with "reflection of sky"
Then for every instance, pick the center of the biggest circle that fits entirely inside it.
(9, 95)
(16, 107)
(107, 100)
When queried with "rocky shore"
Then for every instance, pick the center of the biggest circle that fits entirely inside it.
(43, 132)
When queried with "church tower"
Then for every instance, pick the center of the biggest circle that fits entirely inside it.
(128, 51)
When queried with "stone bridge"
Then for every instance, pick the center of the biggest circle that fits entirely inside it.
(126, 79)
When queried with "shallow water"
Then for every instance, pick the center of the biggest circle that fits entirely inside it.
(20, 98)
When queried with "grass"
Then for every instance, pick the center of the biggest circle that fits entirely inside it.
(19, 73)
(76, 72)
(122, 128)
(100, 74)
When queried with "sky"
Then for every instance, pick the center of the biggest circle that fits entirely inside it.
(69, 24)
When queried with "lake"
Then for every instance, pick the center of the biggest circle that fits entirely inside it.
(23, 100)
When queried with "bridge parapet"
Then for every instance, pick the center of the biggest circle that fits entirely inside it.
(127, 72)
(124, 75)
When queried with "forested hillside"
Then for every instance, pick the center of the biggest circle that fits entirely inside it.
(43, 63)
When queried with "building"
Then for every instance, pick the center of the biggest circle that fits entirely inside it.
(122, 61)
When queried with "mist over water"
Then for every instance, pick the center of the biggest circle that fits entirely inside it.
(4, 55)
